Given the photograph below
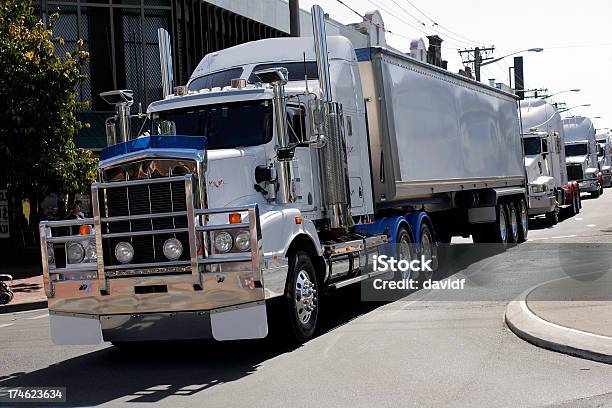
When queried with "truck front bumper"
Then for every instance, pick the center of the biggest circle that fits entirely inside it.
(541, 204)
(246, 321)
(588, 186)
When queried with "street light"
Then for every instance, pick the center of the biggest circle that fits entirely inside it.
(560, 92)
(509, 55)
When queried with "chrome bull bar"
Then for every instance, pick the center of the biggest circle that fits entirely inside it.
(198, 228)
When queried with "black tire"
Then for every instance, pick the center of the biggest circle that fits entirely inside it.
(573, 209)
(513, 228)
(427, 250)
(553, 217)
(499, 229)
(523, 218)
(406, 250)
(596, 194)
(579, 200)
(5, 298)
(301, 297)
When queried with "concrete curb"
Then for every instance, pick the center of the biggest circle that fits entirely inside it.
(542, 333)
(21, 307)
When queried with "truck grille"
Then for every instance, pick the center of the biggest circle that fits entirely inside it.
(574, 172)
(140, 200)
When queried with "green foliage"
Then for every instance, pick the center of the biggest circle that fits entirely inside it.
(37, 108)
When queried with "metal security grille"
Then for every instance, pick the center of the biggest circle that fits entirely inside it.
(574, 172)
(131, 203)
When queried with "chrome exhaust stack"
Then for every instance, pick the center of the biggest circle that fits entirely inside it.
(122, 100)
(165, 60)
(333, 158)
(278, 78)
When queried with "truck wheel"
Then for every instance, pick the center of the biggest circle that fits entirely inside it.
(573, 210)
(301, 296)
(553, 217)
(428, 250)
(523, 217)
(405, 251)
(499, 229)
(596, 194)
(513, 235)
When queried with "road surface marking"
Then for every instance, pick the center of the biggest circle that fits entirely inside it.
(578, 219)
(565, 236)
(37, 317)
(537, 239)
(591, 225)
(6, 325)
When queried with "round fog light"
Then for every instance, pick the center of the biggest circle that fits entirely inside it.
(75, 253)
(173, 249)
(223, 242)
(124, 252)
(243, 241)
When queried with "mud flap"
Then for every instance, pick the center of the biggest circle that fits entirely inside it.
(72, 330)
(243, 322)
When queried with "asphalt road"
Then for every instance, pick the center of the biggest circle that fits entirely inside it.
(432, 348)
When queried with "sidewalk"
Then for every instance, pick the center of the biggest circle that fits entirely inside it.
(572, 315)
(29, 295)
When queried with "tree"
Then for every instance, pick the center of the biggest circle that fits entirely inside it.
(38, 106)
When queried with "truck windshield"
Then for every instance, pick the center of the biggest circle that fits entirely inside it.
(575, 150)
(228, 125)
(532, 145)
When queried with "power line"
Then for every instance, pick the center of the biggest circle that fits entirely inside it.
(433, 28)
(435, 23)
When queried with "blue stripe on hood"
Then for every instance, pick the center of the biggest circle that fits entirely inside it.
(155, 142)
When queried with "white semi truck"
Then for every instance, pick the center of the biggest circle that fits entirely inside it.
(277, 172)
(544, 148)
(581, 155)
(604, 157)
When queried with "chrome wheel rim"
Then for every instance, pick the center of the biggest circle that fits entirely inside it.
(305, 300)
(503, 225)
(513, 222)
(405, 254)
(427, 251)
(524, 219)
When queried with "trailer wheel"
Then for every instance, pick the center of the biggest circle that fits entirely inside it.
(499, 229)
(405, 251)
(301, 296)
(513, 227)
(553, 216)
(578, 201)
(597, 193)
(428, 250)
(523, 216)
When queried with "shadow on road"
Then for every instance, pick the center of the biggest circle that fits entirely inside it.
(156, 371)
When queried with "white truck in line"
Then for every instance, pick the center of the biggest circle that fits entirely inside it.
(604, 157)
(278, 171)
(581, 155)
(545, 164)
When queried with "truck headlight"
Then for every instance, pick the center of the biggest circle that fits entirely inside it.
(591, 175)
(124, 252)
(173, 249)
(90, 252)
(243, 241)
(75, 253)
(223, 242)
(537, 188)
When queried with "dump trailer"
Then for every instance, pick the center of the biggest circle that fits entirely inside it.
(581, 155)
(544, 148)
(604, 157)
(279, 171)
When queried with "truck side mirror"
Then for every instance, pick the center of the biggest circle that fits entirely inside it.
(316, 113)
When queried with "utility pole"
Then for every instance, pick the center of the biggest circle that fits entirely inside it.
(294, 17)
(476, 56)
